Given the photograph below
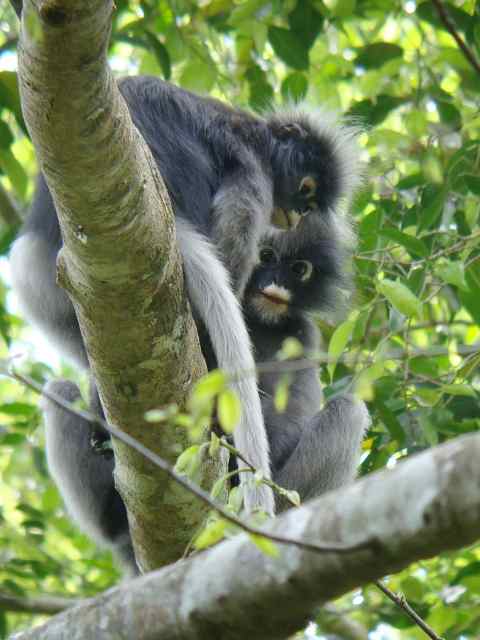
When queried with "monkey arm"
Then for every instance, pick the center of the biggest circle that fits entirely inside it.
(241, 213)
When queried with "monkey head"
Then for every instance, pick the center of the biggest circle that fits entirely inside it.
(314, 164)
(289, 284)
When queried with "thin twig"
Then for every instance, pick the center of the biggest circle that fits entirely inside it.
(401, 602)
(36, 604)
(250, 468)
(182, 480)
(452, 29)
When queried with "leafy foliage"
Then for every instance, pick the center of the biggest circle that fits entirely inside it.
(412, 347)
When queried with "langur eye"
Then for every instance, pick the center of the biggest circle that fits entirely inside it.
(268, 256)
(308, 187)
(303, 269)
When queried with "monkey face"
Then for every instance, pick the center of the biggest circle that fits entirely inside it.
(306, 169)
(282, 286)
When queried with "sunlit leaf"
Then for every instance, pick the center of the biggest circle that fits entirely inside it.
(265, 545)
(211, 534)
(339, 340)
(400, 296)
(229, 410)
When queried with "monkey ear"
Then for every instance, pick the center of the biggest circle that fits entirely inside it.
(289, 130)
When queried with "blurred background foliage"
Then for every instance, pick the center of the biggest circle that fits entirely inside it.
(412, 345)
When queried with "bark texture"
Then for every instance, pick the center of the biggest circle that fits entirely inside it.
(426, 505)
(119, 263)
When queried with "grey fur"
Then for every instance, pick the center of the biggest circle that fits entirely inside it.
(217, 307)
(241, 215)
(85, 478)
(43, 303)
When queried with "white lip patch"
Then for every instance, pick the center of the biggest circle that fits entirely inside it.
(276, 294)
(271, 303)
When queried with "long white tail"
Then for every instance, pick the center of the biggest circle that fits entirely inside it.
(212, 298)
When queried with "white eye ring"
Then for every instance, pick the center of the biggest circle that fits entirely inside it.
(303, 269)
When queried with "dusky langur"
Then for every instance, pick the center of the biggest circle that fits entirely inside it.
(312, 450)
(226, 172)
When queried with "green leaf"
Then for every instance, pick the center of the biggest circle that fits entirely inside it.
(14, 171)
(459, 390)
(235, 499)
(10, 97)
(400, 297)
(365, 381)
(261, 93)
(377, 54)
(18, 409)
(469, 367)
(449, 113)
(452, 272)
(295, 86)
(12, 439)
(211, 534)
(413, 588)
(229, 410)
(188, 461)
(6, 136)
(341, 8)
(305, 22)
(245, 11)
(210, 385)
(413, 245)
(280, 399)
(218, 487)
(289, 48)
(291, 348)
(372, 112)
(198, 75)
(431, 206)
(265, 545)
(473, 183)
(390, 420)
(339, 340)
(161, 54)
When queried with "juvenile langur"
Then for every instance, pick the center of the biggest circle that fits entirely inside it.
(225, 171)
(312, 450)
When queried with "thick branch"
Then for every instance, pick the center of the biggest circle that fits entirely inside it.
(428, 504)
(119, 262)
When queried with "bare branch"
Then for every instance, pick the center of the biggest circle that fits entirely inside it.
(36, 604)
(401, 602)
(452, 29)
(428, 504)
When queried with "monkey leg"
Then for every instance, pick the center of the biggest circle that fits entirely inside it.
(85, 478)
(327, 454)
